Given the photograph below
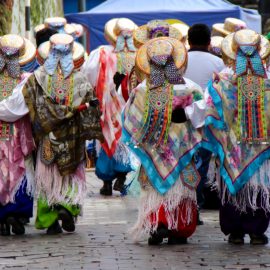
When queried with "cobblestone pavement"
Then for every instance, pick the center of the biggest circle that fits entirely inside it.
(101, 242)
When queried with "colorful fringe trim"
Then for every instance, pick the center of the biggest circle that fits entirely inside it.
(251, 126)
(157, 115)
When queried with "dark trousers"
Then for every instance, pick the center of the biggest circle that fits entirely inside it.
(250, 222)
(205, 156)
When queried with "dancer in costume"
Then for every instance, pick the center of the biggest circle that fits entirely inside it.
(144, 33)
(17, 55)
(108, 68)
(160, 128)
(237, 131)
(62, 122)
(64, 113)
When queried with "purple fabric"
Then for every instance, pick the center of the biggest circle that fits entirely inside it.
(234, 221)
(9, 58)
(22, 207)
(163, 68)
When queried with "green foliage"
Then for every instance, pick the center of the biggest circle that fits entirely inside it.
(5, 19)
(40, 10)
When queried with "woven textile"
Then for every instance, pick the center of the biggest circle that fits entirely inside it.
(163, 68)
(238, 162)
(9, 58)
(164, 163)
(125, 40)
(60, 55)
(251, 96)
(66, 128)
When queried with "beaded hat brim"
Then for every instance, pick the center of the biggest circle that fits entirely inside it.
(219, 28)
(109, 28)
(28, 51)
(229, 51)
(78, 53)
(140, 35)
(179, 55)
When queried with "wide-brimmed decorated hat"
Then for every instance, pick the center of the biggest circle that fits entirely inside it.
(162, 46)
(215, 45)
(60, 24)
(17, 51)
(229, 26)
(154, 29)
(114, 27)
(59, 46)
(246, 38)
(180, 26)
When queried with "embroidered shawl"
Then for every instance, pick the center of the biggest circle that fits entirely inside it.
(238, 161)
(163, 164)
(60, 129)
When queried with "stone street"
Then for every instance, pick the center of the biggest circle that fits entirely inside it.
(101, 241)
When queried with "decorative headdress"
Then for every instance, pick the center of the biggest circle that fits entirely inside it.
(16, 53)
(229, 26)
(63, 50)
(155, 29)
(247, 50)
(118, 32)
(61, 26)
(182, 27)
(161, 60)
(215, 45)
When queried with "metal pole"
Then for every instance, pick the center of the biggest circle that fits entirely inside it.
(81, 8)
(27, 18)
(81, 5)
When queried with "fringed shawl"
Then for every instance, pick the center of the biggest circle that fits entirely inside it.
(61, 125)
(238, 161)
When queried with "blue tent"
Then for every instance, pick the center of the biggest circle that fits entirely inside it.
(141, 11)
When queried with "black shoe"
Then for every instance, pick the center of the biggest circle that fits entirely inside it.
(172, 240)
(156, 237)
(54, 229)
(106, 190)
(261, 239)
(24, 220)
(120, 181)
(236, 239)
(68, 223)
(16, 225)
(199, 221)
(5, 229)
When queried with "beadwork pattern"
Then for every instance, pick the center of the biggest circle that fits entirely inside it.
(7, 85)
(157, 115)
(251, 121)
(252, 126)
(125, 61)
(9, 59)
(163, 68)
(61, 89)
